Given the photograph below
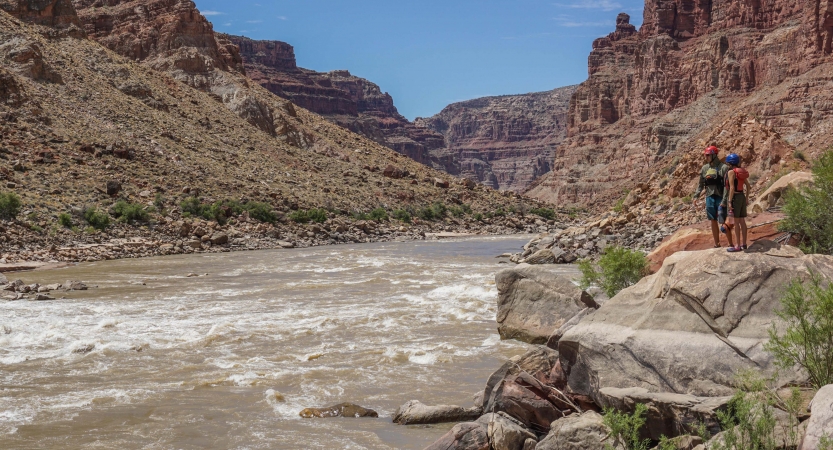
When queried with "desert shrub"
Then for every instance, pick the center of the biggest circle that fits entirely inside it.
(807, 310)
(456, 211)
(192, 206)
(809, 210)
(546, 213)
(306, 216)
(618, 268)
(10, 205)
(98, 220)
(378, 214)
(263, 212)
(159, 201)
(625, 428)
(439, 210)
(748, 423)
(401, 214)
(478, 217)
(65, 220)
(129, 212)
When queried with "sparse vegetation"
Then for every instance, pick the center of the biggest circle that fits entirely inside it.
(436, 211)
(807, 341)
(618, 268)
(10, 205)
(809, 210)
(747, 423)
(98, 220)
(545, 213)
(402, 215)
(379, 214)
(223, 210)
(625, 428)
(306, 216)
(65, 220)
(129, 212)
(264, 213)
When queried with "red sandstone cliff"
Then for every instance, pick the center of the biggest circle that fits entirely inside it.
(508, 141)
(695, 73)
(349, 101)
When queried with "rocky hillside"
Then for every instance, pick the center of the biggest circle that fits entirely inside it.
(163, 111)
(505, 142)
(752, 78)
(344, 99)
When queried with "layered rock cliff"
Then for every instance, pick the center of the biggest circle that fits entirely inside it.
(691, 76)
(349, 101)
(505, 142)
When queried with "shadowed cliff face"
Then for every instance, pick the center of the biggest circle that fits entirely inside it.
(688, 78)
(349, 101)
(506, 142)
(50, 13)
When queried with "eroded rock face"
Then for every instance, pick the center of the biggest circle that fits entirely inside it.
(347, 100)
(696, 73)
(534, 301)
(505, 142)
(821, 419)
(690, 327)
(172, 36)
(50, 13)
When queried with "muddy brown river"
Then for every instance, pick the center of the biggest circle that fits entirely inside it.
(153, 359)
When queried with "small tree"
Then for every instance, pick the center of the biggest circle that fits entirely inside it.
(809, 210)
(625, 428)
(618, 268)
(9, 205)
(807, 341)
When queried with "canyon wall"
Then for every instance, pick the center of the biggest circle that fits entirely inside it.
(349, 101)
(505, 142)
(694, 71)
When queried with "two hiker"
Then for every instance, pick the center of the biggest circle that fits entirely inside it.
(727, 194)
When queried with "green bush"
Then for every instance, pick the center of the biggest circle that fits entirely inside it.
(65, 220)
(546, 213)
(312, 215)
(192, 206)
(809, 210)
(129, 212)
(264, 213)
(478, 217)
(401, 214)
(618, 268)
(378, 214)
(9, 205)
(807, 310)
(98, 220)
(748, 423)
(625, 428)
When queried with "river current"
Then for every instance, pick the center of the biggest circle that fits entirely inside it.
(152, 358)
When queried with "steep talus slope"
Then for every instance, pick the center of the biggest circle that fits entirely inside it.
(349, 101)
(76, 115)
(507, 141)
(690, 76)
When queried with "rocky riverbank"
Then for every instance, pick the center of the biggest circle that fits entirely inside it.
(675, 342)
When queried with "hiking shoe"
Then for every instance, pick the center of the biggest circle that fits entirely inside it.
(744, 247)
(733, 249)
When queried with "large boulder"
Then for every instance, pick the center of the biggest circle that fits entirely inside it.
(534, 301)
(821, 419)
(668, 414)
(585, 431)
(690, 327)
(774, 195)
(414, 412)
(504, 432)
(530, 389)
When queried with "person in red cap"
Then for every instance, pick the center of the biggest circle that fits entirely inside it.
(712, 182)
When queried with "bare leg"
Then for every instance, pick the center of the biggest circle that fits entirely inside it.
(716, 233)
(737, 229)
(743, 230)
(729, 229)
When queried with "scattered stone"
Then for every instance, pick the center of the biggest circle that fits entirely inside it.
(75, 286)
(42, 297)
(585, 431)
(113, 188)
(340, 410)
(464, 436)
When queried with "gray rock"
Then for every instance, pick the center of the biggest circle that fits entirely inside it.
(414, 412)
(690, 327)
(464, 436)
(585, 431)
(75, 286)
(821, 419)
(3, 279)
(534, 301)
(505, 433)
(219, 239)
(340, 410)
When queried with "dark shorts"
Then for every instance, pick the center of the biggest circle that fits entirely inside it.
(712, 202)
(739, 205)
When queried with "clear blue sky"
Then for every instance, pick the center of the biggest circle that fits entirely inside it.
(430, 53)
